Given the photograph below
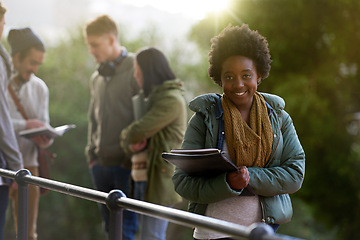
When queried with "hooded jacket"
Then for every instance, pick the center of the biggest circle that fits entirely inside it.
(282, 175)
(164, 125)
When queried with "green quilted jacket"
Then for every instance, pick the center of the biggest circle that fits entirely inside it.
(282, 175)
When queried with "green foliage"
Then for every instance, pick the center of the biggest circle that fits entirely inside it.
(304, 224)
(315, 69)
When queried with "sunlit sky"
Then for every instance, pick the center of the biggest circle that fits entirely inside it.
(196, 9)
(52, 18)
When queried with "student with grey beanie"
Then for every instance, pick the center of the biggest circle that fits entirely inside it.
(27, 52)
(22, 39)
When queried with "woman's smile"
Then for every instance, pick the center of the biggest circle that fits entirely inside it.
(240, 93)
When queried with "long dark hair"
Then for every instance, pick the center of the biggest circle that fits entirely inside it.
(154, 67)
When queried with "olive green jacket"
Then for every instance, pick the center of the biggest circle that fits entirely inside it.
(164, 126)
(282, 175)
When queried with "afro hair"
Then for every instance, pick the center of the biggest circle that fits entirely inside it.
(243, 41)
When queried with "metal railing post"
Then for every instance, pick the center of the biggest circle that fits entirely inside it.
(116, 214)
(23, 199)
(259, 230)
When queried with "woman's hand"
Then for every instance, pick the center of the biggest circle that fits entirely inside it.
(137, 147)
(238, 179)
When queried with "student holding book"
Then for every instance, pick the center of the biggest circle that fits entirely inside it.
(160, 129)
(253, 130)
(28, 98)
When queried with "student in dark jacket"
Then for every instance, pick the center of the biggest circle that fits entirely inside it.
(253, 130)
(112, 86)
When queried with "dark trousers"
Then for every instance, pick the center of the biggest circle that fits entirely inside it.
(4, 199)
(109, 178)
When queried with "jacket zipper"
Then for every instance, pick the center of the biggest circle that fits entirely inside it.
(272, 157)
(267, 164)
(262, 210)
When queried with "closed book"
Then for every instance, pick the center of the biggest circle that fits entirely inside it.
(200, 162)
(139, 105)
(207, 162)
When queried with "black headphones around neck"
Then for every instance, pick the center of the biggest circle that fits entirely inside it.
(107, 68)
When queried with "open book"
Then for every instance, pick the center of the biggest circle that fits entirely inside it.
(200, 162)
(46, 130)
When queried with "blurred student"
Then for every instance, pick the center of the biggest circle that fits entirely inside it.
(30, 93)
(112, 87)
(10, 156)
(160, 129)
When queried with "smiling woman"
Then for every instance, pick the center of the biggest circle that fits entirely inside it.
(244, 125)
(194, 9)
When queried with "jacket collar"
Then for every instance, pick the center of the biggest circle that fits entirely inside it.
(219, 110)
(204, 102)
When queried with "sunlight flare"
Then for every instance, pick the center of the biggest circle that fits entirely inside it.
(196, 9)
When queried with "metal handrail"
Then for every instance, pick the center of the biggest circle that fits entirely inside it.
(116, 201)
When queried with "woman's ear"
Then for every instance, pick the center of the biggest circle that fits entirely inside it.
(259, 80)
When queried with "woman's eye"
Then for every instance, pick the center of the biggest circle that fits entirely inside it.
(247, 76)
(228, 77)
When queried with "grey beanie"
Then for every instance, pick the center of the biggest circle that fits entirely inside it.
(21, 39)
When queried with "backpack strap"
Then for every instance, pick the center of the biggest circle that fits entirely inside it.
(17, 102)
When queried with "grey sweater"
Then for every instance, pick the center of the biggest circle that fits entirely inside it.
(10, 157)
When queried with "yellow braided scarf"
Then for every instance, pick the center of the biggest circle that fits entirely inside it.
(248, 145)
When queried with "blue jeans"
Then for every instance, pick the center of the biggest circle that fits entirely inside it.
(106, 179)
(4, 199)
(151, 228)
